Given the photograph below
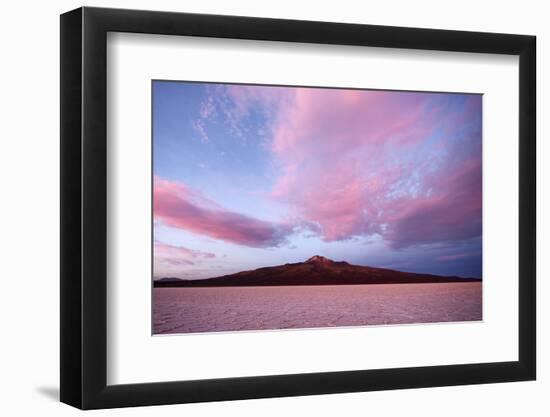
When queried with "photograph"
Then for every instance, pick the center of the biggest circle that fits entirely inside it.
(315, 209)
(298, 207)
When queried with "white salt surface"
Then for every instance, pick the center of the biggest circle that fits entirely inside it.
(215, 309)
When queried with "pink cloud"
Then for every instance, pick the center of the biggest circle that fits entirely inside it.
(358, 162)
(180, 207)
(351, 119)
(404, 165)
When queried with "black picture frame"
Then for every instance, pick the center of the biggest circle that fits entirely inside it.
(84, 207)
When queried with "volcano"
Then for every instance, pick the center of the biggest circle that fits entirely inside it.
(317, 270)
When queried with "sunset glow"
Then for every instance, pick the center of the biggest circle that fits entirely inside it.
(252, 176)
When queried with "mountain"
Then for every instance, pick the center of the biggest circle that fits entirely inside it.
(317, 270)
(169, 280)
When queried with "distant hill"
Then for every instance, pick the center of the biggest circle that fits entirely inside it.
(317, 270)
(168, 280)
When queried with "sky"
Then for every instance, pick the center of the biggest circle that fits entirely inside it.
(248, 176)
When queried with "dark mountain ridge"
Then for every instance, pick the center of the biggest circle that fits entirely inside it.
(317, 270)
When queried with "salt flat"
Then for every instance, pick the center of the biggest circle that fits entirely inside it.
(216, 309)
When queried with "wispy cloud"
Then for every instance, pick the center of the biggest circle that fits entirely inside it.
(176, 255)
(171, 260)
(208, 108)
(199, 127)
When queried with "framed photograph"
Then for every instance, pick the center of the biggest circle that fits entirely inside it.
(258, 207)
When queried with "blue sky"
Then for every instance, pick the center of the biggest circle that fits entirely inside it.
(250, 176)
